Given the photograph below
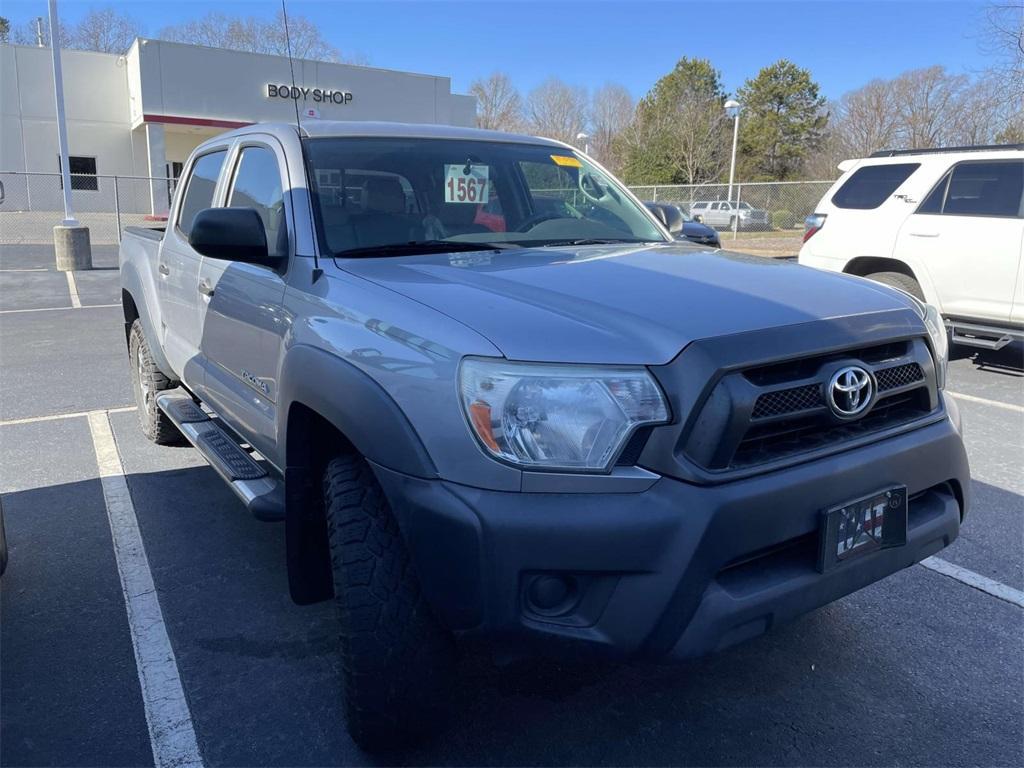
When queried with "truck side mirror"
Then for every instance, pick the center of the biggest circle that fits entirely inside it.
(232, 234)
(659, 214)
(698, 218)
(673, 220)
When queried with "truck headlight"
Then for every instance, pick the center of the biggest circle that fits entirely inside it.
(940, 342)
(571, 417)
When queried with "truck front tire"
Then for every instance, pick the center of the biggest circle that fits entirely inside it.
(397, 660)
(147, 381)
(905, 283)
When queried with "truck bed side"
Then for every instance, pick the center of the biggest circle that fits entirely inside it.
(137, 259)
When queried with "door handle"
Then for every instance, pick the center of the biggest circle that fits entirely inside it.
(164, 269)
(205, 288)
(924, 234)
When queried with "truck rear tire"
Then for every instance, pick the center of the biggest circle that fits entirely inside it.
(147, 381)
(398, 662)
(905, 283)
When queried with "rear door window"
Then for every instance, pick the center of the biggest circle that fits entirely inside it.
(201, 185)
(871, 185)
(985, 189)
(933, 203)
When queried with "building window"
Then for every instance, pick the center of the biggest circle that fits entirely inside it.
(83, 173)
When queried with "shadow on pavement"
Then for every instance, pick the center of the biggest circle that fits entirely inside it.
(879, 677)
(1009, 360)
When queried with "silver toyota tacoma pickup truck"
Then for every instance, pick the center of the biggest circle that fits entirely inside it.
(489, 396)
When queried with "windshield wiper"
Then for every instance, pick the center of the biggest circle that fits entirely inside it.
(593, 241)
(420, 246)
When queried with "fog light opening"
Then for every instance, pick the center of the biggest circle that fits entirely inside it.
(552, 594)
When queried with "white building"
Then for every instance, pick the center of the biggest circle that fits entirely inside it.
(140, 114)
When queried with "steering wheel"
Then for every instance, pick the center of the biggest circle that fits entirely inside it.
(536, 219)
(605, 193)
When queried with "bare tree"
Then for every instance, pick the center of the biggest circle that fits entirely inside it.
(1003, 38)
(983, 112)
(105, 30)
(499, 106)
(823, 165)
(866, 120)
(27, 34)
(557, 110)
(927, 102)
(256, 35)
(699, 146)
(611, 111)
(102, 29)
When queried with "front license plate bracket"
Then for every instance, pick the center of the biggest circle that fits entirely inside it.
(857, 528)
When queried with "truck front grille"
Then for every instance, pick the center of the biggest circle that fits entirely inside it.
(762, 414)
(898, 376)
(764, 443)
(788, 401)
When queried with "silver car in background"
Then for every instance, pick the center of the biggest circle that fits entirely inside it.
(723, 214)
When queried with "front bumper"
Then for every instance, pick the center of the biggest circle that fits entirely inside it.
(678, 570)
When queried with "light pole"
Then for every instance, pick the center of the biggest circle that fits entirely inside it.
(732, 109)
(62, 128)
(70, 239)
(585, 138)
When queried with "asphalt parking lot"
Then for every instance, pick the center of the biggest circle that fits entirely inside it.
(924, 668)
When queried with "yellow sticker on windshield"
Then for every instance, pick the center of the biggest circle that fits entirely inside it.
(565, 160)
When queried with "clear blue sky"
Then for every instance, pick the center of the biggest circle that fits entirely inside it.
(590, 42)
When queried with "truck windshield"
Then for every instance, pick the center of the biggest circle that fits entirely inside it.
(381, 196)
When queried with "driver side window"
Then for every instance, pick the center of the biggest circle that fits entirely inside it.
(257, 184)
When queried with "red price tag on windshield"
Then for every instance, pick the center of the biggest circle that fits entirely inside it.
(466, 184)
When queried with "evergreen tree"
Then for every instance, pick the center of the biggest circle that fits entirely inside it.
(783, 121)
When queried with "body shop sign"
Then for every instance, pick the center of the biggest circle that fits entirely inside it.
(317, 95)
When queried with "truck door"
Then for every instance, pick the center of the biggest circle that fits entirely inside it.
(966, 236)
(178, 270)
(242, 322)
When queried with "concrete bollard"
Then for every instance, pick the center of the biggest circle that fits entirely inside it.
(73, 249)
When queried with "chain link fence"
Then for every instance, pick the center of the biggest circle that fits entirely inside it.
(31, 204)
(761, 217)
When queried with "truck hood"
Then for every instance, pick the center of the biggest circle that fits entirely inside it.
(615, 304)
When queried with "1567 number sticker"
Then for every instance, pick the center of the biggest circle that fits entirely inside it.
(466, 183)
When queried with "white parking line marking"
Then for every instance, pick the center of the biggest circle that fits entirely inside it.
(986, 401)
(57, 416)
(76, 303)
(976, 580)
(171, 734)
(58, 309)
(27, 269)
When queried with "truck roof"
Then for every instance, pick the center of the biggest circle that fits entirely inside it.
(319, 128)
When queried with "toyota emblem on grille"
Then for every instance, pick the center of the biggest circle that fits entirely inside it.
(850, 391)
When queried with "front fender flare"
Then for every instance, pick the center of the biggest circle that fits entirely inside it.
(366, 416)
(357, 406)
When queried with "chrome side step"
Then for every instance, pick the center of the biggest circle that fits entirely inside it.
(262, 494)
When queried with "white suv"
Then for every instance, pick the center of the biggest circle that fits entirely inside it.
(945, 225)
